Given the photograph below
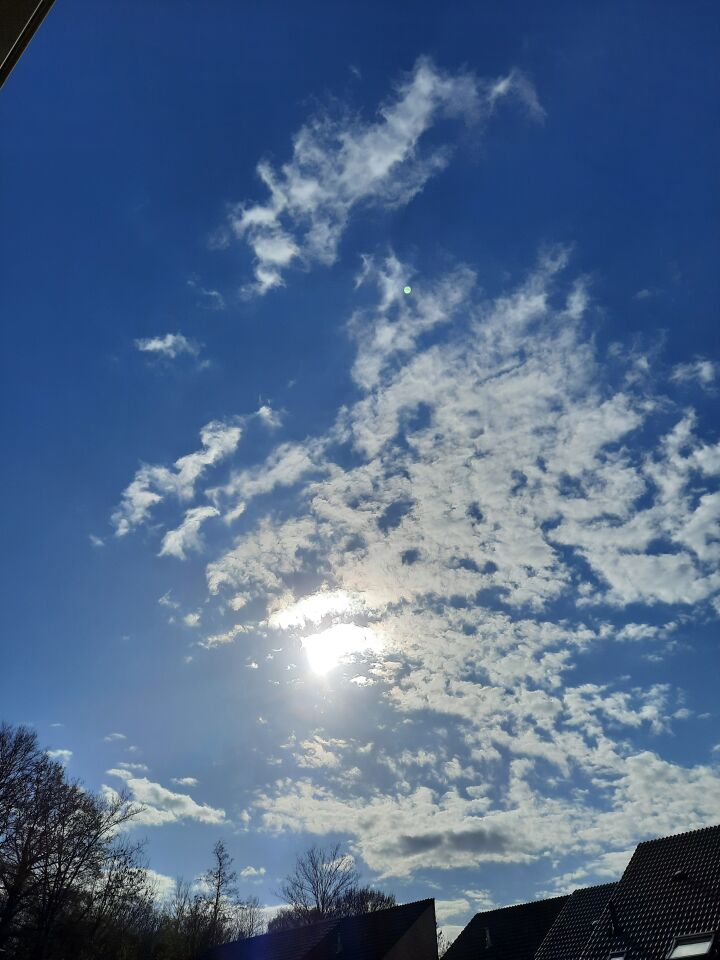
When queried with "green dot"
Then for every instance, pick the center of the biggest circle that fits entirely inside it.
(407, 290)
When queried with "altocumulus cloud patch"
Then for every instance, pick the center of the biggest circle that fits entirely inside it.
(524, 488)
(500, 500)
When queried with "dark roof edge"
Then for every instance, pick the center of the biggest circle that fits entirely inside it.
(684, 833)
(525, 903)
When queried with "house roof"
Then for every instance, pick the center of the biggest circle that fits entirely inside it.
(574, 924)
(509, 933)
(367, 937)
(670, 887)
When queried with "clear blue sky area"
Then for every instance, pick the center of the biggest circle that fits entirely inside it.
(294, 556)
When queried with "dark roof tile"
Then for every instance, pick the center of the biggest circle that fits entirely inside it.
(574, 924)
(367, 937)
(670, 887)
(508, 933)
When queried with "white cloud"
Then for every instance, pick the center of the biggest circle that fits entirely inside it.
(153, 483)
(603, 869)
(451, 909)
(338, 164)
(271, 418)
(398, 833)
(139, 767)
(314, 608)
(228, 636)
(317, 752)
(163, 885)
(112, 737)
(288, 464)
(252, 872)
(185, 781)
(452, 931)
(177, 542)
(160, 805)
(645, 294)
(96, 542)
(64, 756)
(511, 492)
(480, 899)
(489, 457)
(324, 650)
(704, 371)
(521, 453)
(169, 346)
(211, 299)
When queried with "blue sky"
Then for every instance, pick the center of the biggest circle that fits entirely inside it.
(297, 557)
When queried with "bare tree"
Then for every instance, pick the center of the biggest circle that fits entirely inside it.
(324, 885)
(247, 919)
(19, 755)
(73, 885)
(322, 876)
(194, 921)
(74, 851)
(359, 900)
(55, 841)
(121, 900)
(220, 879)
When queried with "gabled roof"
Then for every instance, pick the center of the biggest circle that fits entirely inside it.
(574, 924)
(509, 933)
(367, 937)
(670, 887)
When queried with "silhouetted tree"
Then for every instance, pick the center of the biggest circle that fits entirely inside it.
(56, 841)
(196, 919)
(324, 885)
(73, 885)
(322, 876)
(359, 900)
(220, 880)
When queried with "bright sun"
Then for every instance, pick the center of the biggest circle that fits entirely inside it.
(325, 650)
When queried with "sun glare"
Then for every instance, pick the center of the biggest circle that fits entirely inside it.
(313, 609)
(325, 650)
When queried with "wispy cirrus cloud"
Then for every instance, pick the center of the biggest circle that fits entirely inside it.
(702, 371)
(208, 298)
(338, 164)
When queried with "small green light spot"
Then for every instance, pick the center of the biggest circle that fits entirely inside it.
(407, 290)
